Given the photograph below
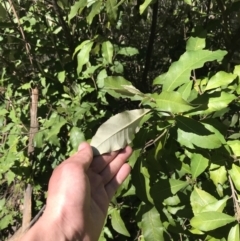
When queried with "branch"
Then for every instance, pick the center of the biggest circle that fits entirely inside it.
(66, 30)
(27, 45)
(150, 42)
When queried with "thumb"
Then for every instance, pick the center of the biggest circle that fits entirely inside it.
(84, 155)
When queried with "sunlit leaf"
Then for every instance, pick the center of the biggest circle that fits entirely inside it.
(234, 234)
(76, 137)
(235, 174)
(235, 146)
(107, 51)
(220, 79)
(118, 224)
(199, 199)
(171, 102)
(210, 220)
(219, 176)
(118, 131)
(198, 164)
(83, 56)
(179, 72)
(193, 43)
(128, 51)
(152, 227)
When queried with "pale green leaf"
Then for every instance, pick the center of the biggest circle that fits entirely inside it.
(191, 140)
(100, 78)
(220, 79)
(107, 51)
(194, 44)
(210, 220)
(219, 176)
(235, 146)
(6, 221)
(198, 164)
(128, 51)
(118, 131)
(80, 46)
(76, 137)
(189, 2)
(171, 102)
(118, 224)
(75, 9)
(132, 89)
(179, 72)
(185, 90)
(217, 206)
(117, 86)
(218, 103)
(61, 76)
(151, 225)
(83, 56)
(199, 199)
(111, 8)
(235, 174)
(234, 234)
(237, 70)
(96, 8)
(143, 6)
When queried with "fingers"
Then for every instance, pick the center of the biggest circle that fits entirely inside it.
(100, 162)
(115, 165)
(117, 180)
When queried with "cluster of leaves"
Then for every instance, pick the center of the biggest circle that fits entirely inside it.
(79, 54)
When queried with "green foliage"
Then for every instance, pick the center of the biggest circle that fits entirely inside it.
(87, 59)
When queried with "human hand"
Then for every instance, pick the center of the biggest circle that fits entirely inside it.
(79, 193)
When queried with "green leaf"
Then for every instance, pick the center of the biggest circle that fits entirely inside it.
(121, 87)
(179, 72)
(111, 8)
(185, 90)
(193, 43)
(151, 225)
(38, 139)
(219, 176)
(107, 51)
(235, 146)
(96, 8)
(234, 234)
(190, 139)
(165, 188)
(192, 133)
(75, 9)
(115, 83)
(61, 76)
(199, 199)
(210, 220)
(217, 206)
(235, 174)
(198, 165)
(76, 137)
(128, 51)
(189, 2)
(6, 221)
(141, 181)
(220, 79)
(143, 6)
(218, 103)
(80, 46)
(171, 102)
(118, 224)
(83, 56)
(118, 131)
